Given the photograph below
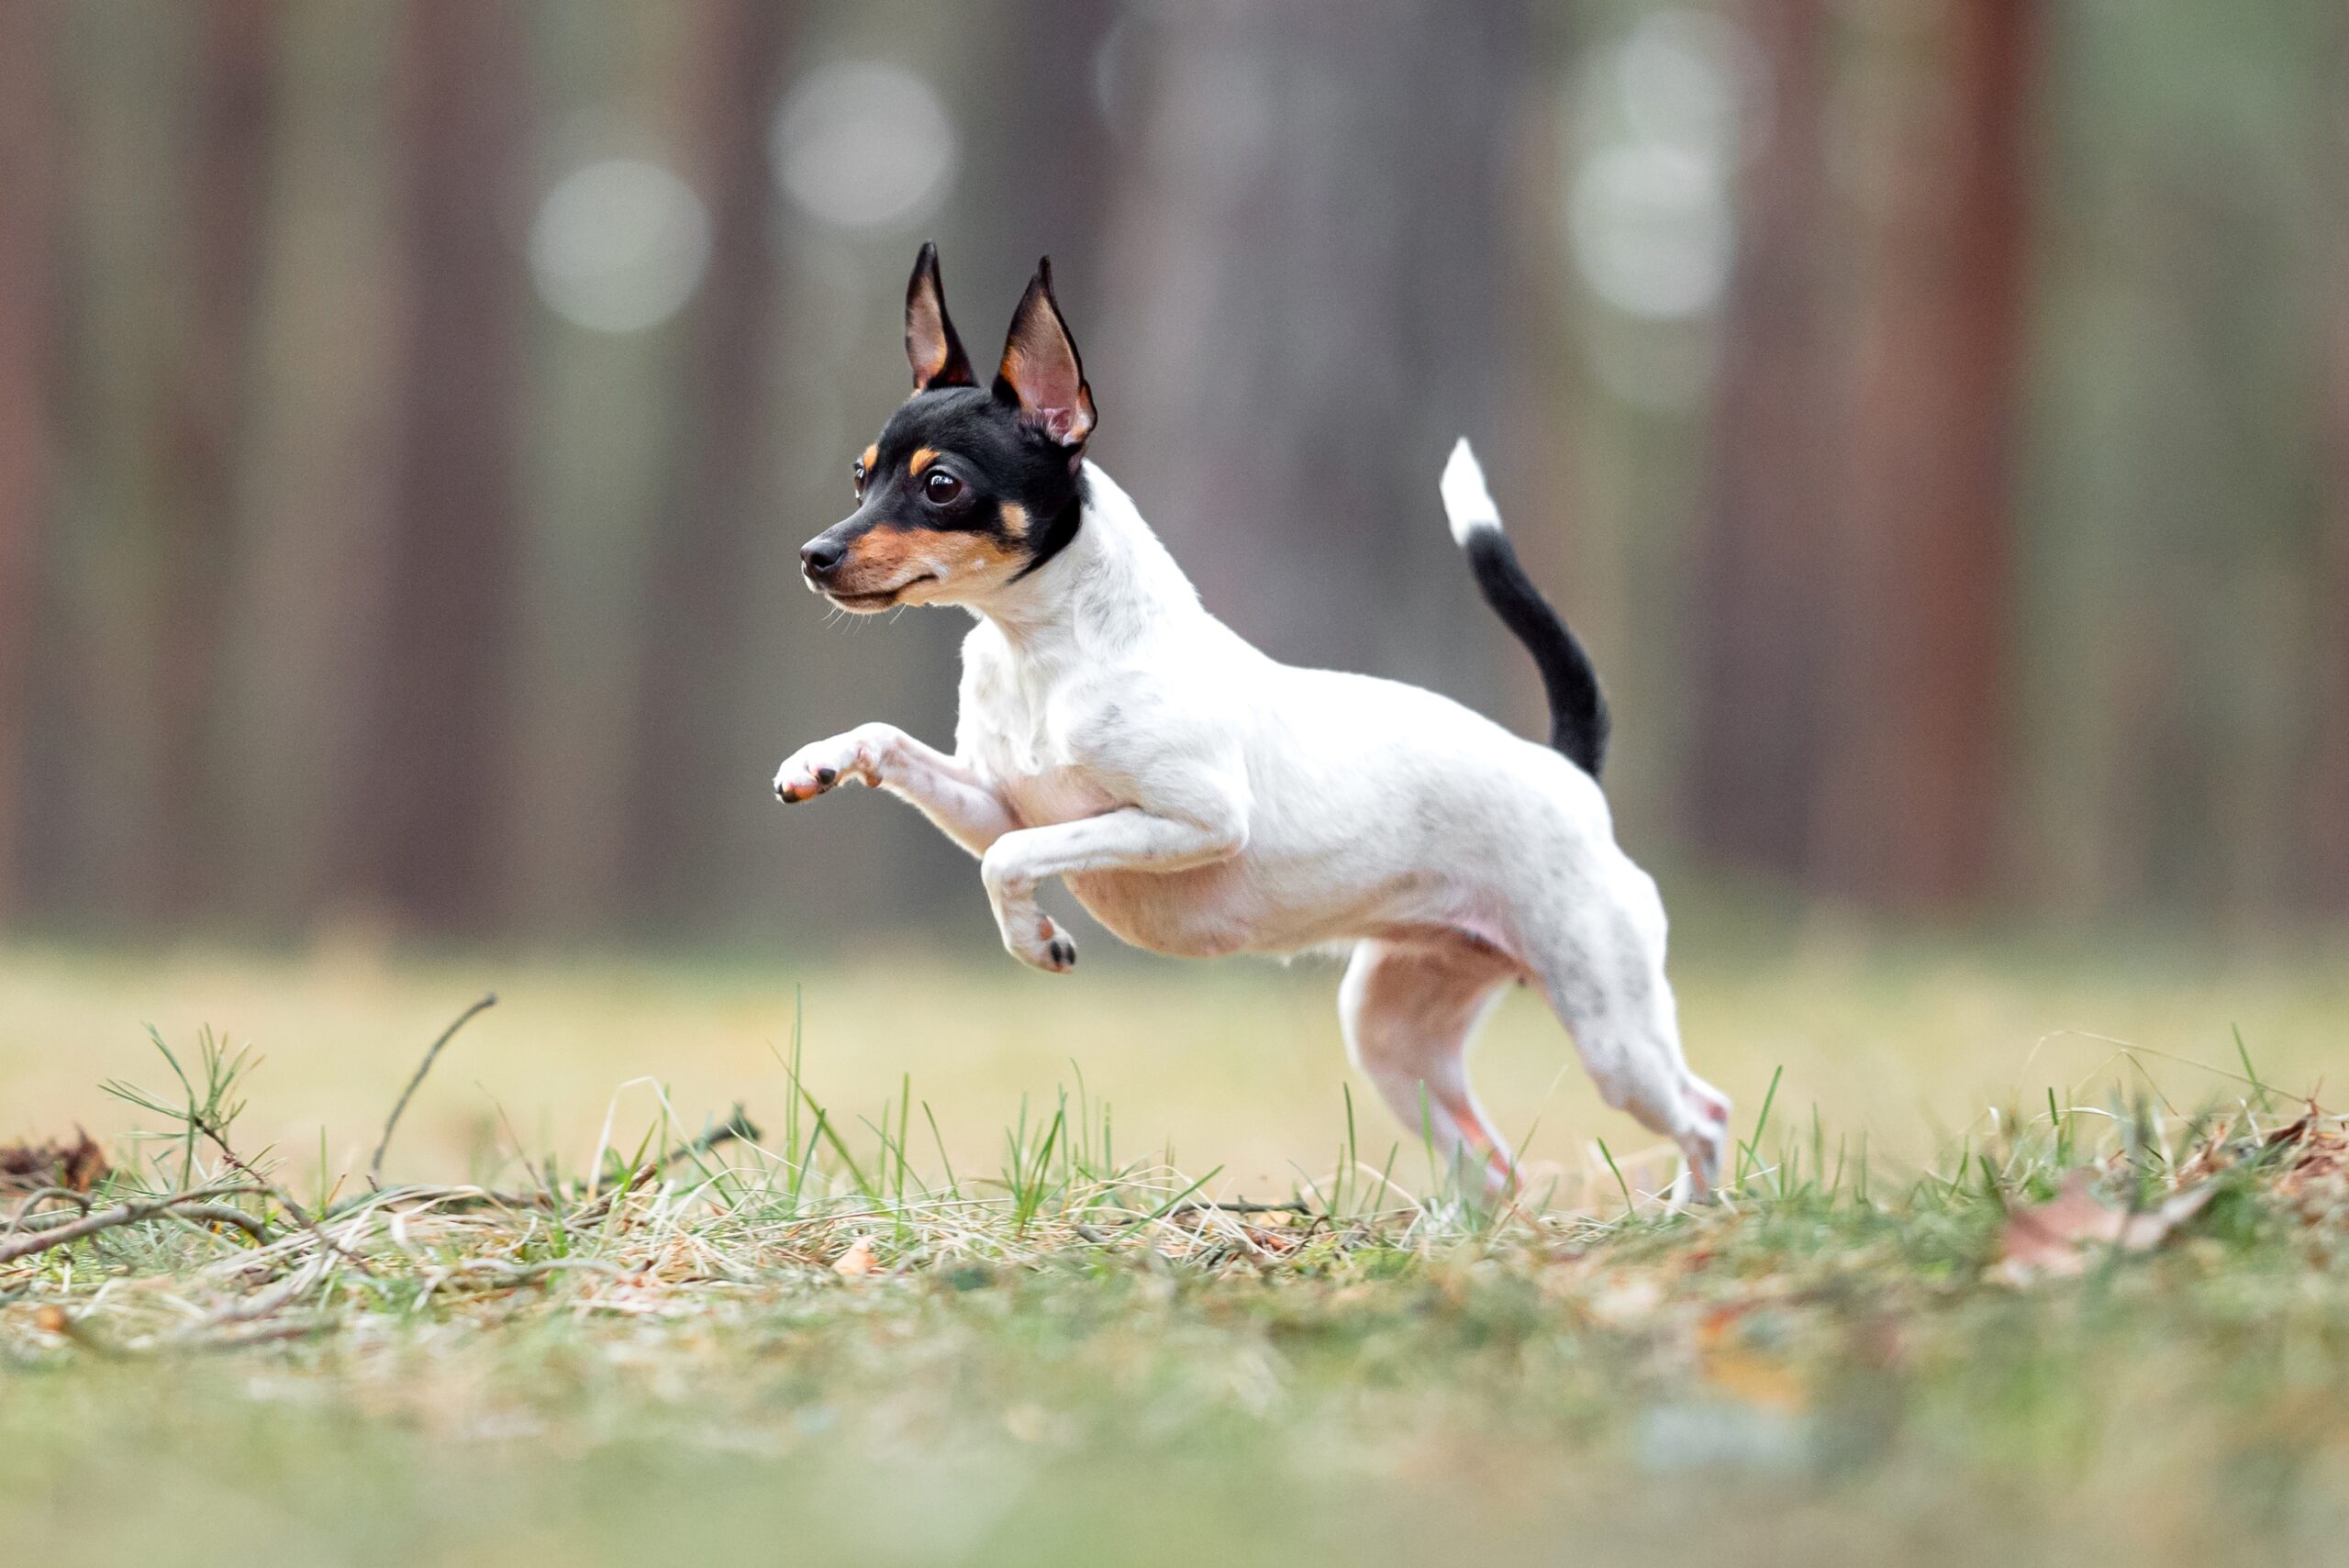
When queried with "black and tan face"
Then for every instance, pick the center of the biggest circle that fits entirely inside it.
(968, 489)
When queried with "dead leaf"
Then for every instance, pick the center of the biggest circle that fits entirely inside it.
(2293, 1132)
(2060, 1238)
(2216, 1152)
(1278, 1243)
(1754, 1380)
(2304, 1162)
(858, 1261)
(2319, 1153)
(79, 1165)
(51, 1320)
(1734, 1368)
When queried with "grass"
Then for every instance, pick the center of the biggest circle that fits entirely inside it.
(885, 1335)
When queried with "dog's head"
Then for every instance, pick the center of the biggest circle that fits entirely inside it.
(968, 488)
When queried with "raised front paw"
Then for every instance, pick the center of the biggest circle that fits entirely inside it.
(825, 764)
(1034, 940)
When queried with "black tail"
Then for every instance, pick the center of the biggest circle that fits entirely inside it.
(1578, 718)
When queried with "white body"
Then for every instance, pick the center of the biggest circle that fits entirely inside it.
(1199, 798)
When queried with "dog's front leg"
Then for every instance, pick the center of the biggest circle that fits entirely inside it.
(963, 806)
(1127, 840)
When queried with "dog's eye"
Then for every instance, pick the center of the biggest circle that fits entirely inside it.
(857, 476)
(941, 487)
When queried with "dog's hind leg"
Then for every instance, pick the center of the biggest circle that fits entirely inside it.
(1601, 965)
(1410, 1010)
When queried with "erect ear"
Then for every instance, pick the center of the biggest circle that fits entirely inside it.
(1040, 371)
(931, 344)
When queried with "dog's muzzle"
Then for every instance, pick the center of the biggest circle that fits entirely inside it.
(821, 558)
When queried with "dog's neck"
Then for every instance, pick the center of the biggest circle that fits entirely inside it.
(1108, 583)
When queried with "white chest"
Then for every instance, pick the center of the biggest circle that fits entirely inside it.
(1020, 734)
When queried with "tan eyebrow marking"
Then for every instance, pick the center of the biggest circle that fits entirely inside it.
(871, 455)
(923, 457)
(1015, 520)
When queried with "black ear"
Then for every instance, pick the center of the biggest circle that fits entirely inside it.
(931, 344)
(1040, 371)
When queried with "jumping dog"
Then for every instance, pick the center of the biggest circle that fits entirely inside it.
(1199, 798)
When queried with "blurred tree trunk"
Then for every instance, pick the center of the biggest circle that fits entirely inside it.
(1048, 175)
(1766, 548)
(314, 485)
(27, 253)
(422, 811)
(234, 112)
(699, 577)
(2329, 803)
(1918, 742)
(1314, 242)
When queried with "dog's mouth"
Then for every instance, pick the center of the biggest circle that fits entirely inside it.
(869, 604)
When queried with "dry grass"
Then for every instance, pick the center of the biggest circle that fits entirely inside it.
(863, 1335)
(1235, 1065)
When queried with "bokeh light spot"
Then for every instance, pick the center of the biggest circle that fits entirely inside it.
(1684, 85)
(864, 144)
(1651, 230)
(619, 245)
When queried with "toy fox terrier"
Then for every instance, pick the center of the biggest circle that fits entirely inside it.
(1198, 798)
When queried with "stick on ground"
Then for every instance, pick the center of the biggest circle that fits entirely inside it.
(131, 1213)
(376, 1166)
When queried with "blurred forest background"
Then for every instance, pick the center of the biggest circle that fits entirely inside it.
(1935, 413)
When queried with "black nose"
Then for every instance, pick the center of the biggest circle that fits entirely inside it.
(821, 556)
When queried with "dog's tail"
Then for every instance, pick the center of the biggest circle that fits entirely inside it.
(1579, 721)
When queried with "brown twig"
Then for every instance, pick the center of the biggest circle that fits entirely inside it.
(454, 1200)
(225, 1214)
(1203, 1205)
(218, 1134)
(376, 1166)
(130, 1213)
(35, 1198)
(1241, 1206)
(735, 1126)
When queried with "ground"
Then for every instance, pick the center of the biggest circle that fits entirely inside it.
(916, 1322)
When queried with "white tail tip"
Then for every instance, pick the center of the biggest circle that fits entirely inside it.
(1465, 500)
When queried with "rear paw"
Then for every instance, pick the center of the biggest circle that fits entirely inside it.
(1043, 945)
(1704, 1151)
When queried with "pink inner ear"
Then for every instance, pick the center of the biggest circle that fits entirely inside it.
(1050, 389)
(1046, 381)
(1041, 370)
